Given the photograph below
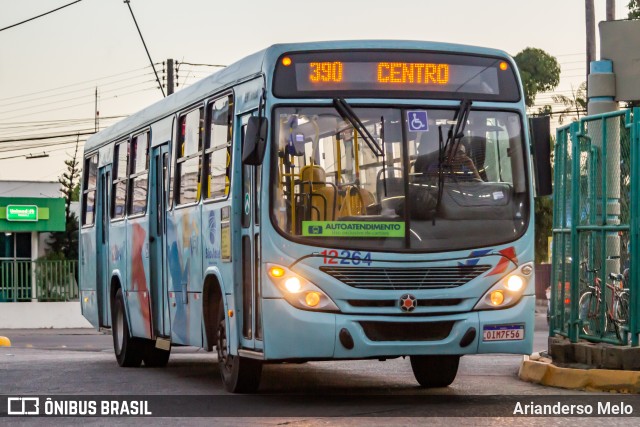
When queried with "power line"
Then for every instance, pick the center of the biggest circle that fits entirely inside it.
(77, 105)
(37, 138)
(50, 151)
(145, 48)
(92, 96)
(200, 65)
(39, 16)
(92, 82)
(37, 97)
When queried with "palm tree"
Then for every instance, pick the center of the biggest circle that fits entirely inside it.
(574, 104)
(590, 19)
(611, 10)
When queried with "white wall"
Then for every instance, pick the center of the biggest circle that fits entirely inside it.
(33, 315)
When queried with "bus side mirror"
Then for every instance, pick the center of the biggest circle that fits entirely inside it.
(540, 135)
(255, 141)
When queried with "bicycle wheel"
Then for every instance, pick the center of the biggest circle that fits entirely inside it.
(589, 314)
(621, 313)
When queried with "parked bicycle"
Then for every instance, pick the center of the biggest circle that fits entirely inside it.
(616, 309)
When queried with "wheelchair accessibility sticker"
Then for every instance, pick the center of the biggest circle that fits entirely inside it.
(417, 120)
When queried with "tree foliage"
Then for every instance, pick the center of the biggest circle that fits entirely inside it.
(540, 72)
(634, 9)
(64, 244)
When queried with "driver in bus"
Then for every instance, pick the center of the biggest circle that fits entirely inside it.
(459, 165)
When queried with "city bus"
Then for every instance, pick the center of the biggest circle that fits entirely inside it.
(319, 201)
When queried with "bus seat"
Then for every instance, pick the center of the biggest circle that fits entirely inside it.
(321, 194)
(355, 202)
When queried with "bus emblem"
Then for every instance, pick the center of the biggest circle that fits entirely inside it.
(408, 303)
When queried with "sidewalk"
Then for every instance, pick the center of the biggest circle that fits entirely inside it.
(584, 366)
(540, 370)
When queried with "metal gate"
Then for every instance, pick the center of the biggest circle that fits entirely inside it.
(595, 229)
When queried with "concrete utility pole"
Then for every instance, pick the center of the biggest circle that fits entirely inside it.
(601, 92)
(170, 76)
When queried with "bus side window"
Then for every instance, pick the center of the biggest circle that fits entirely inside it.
(189, 148)
(90, 183)
(119, 192)
(218, 153)
(138, 178)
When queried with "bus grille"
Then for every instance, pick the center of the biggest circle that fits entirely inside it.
(406, 278)
(401, 331)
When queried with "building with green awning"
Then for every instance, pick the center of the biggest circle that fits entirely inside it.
(29, 211)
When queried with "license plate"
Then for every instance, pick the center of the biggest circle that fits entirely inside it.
(503, 333)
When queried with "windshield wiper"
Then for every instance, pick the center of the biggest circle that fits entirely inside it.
(460, 119)
(447, 152)
(347, 113)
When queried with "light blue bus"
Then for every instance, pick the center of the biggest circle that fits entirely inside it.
(318, 201)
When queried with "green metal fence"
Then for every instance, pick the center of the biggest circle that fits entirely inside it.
(595, 229)
(42, 280)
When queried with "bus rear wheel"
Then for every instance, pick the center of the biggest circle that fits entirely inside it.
(239, 374)
(128, 350)
(435, 371)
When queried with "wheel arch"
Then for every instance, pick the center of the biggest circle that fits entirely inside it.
(212, 293)
(115, 284)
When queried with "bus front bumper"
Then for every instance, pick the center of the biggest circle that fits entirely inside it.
(290, 333)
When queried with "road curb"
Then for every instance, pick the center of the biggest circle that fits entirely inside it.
(5, 342)
(547, 374)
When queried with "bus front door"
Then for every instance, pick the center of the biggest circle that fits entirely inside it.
(157, 251)
(103, 272)
(251, 252)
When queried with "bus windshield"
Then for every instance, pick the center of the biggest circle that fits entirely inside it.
(412, 188)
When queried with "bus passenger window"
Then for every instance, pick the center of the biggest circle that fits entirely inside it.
(119, 193)
(90, 183)
(218, 153)
(188, 164)
(139, 174)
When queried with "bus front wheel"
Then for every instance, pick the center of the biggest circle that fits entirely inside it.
(435, 371)
(239, 374)
(129, 350)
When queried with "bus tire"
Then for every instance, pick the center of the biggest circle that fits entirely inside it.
(128, 350)
(435, 371)
(155, 357)
(239, 374)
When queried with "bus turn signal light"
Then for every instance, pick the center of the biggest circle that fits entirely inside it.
(276, 271)
(497, 297)
(286, 61)
(312, 299)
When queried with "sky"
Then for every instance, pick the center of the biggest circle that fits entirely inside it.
(51, 67)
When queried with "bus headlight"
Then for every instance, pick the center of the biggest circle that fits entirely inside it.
(515, 283)
(507, 291)
(298, 291)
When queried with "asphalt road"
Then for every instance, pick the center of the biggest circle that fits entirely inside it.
(81, 362)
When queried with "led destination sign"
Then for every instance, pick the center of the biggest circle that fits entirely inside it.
(387, 72)
(381, 74)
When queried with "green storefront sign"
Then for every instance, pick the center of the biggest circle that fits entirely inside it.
(26, 214)
(22, 213)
